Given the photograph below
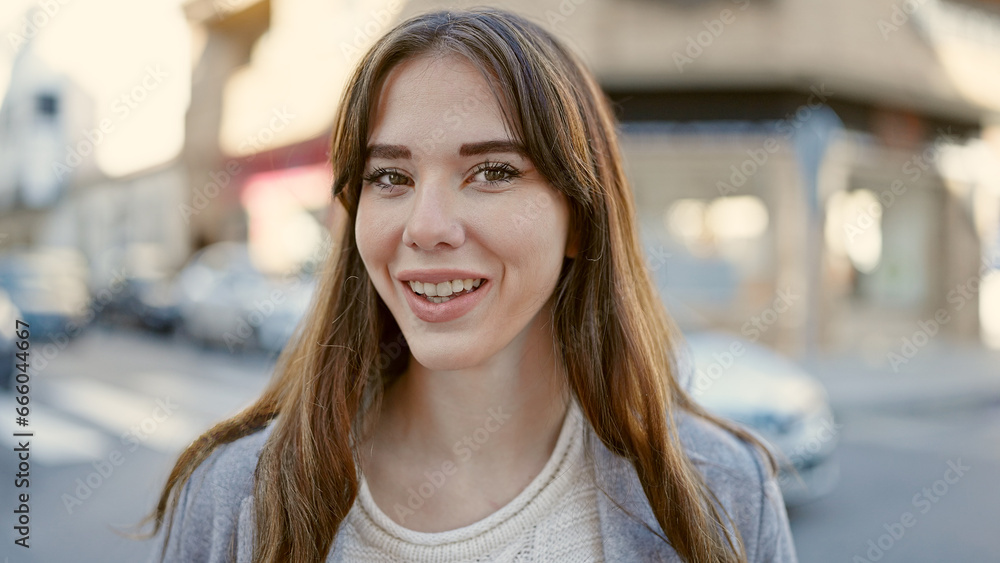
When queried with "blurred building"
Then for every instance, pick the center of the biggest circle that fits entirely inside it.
(818, 176)
(265, 86)
(53, 193)
(35, 115)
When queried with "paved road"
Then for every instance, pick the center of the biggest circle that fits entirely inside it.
(903, 433)
(97, 402)
(110, 413)
(894, 465)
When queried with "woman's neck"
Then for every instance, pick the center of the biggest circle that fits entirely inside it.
(491, 428)
(436, 409)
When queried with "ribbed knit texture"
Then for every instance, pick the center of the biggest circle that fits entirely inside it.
(554, 518)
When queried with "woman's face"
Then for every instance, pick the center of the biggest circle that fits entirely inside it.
(462, 237)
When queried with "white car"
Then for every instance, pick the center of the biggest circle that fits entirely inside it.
(221, 297)
(277, 329)
(753, 385)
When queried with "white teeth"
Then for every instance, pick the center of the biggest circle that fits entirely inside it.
(444, 289)
(441, 292)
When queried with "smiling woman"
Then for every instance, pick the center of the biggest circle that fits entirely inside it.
(487, 373)
(439, 214)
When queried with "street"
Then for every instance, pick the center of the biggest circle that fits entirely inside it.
(111, 411)
(896, 465)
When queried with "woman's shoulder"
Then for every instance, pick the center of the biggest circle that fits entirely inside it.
(210, 521)
(739, 475)
(229, 469)
(734, 470)
(717, 451)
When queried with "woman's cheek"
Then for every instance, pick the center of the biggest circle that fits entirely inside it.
(378, 225)
(373, 239)
(541, 224)
(511, 222)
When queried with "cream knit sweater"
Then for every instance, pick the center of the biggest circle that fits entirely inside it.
(554, 519)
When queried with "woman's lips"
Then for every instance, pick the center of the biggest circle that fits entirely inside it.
(450, 310)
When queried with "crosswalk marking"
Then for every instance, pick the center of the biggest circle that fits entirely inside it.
(121, 412)
(113, 389)
(58, 440)
(212, 398)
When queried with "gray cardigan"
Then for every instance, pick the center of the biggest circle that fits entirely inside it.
(215, 512)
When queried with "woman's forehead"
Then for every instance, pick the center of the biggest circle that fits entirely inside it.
(433, 101)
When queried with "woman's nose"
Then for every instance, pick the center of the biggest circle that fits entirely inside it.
(435, 218)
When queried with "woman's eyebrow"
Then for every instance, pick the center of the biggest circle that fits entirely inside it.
(468, 149)
(485, 147)
(387, 151)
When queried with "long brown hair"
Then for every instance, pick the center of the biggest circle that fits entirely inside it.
(610, 327)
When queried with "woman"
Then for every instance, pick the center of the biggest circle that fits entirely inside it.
(486, 372)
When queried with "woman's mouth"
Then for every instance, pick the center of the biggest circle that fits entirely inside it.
(445, 291)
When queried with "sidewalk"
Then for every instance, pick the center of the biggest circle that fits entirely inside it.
(940, 376)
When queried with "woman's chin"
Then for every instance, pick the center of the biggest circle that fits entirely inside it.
(446, 358)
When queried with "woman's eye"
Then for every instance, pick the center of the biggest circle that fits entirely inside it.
(396, 179)
(496, 173)
(386, 179)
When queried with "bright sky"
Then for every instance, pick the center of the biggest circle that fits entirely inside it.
(110, 49)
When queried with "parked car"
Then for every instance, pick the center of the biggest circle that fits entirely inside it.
(155, 304)
(222, 297)
(278, 327)
(49, 286)
(755, 386)
(9, 315)
(134, 273)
